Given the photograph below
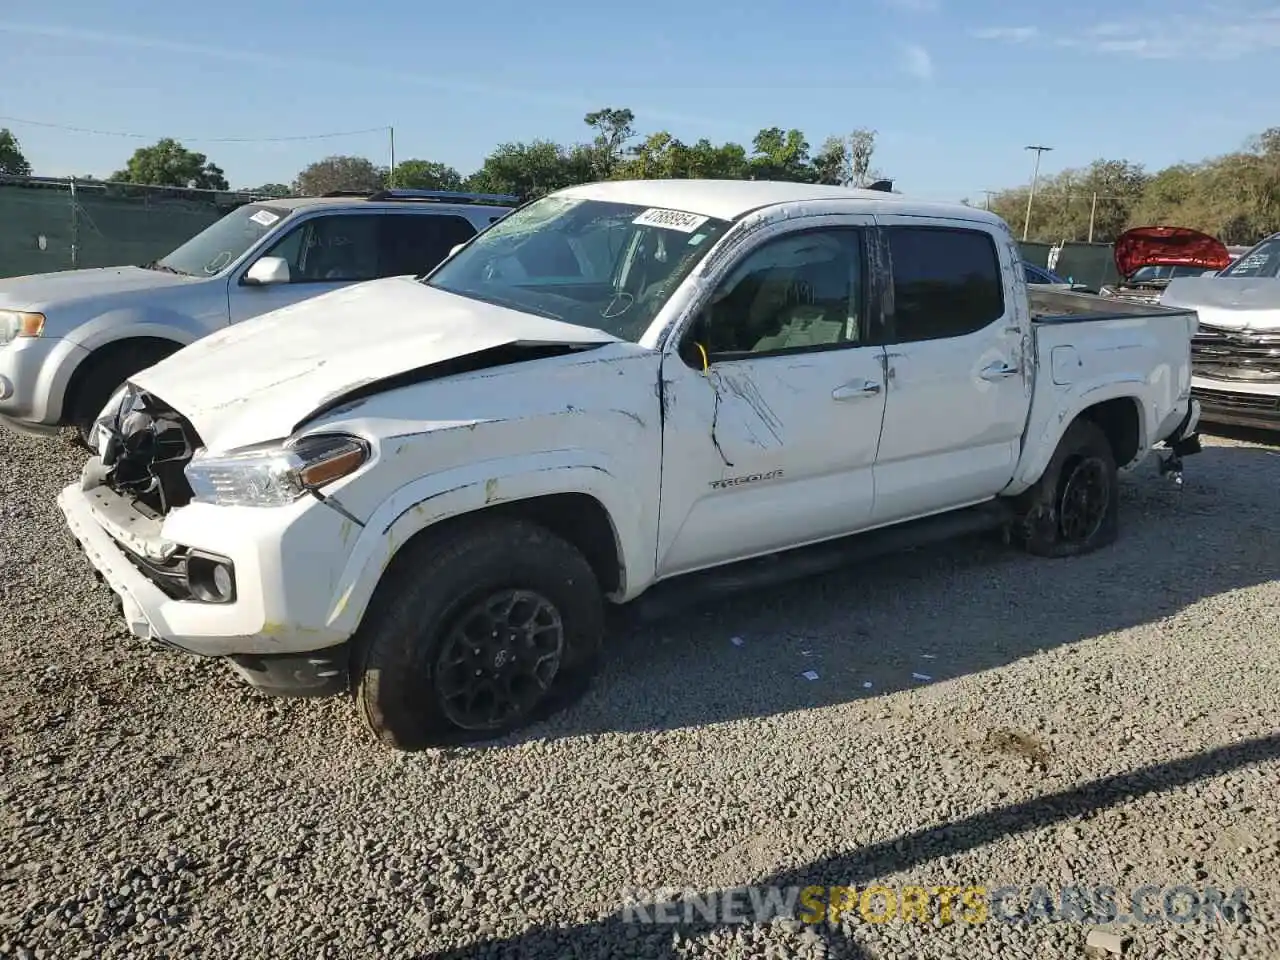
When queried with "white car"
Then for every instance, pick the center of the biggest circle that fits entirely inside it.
(429, 489)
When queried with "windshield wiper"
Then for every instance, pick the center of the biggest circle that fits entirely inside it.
(164, 268)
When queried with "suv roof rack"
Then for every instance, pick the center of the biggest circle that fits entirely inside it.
(445, 196)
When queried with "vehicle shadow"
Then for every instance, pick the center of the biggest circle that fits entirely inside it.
(935, 613)
(1266, 438)
(858, 867)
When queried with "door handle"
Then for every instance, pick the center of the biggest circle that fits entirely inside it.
(998, 370)
(852, 391)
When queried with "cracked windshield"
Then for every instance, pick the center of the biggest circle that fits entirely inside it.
(575, 482)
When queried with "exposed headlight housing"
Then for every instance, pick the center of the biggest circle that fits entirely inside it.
(272, 476)
(16, 323)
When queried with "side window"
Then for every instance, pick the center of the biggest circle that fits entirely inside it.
(797, 292)
(946, 282)
(414, 243)
(333, 248)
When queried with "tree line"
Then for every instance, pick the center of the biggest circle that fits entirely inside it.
(1235, 196)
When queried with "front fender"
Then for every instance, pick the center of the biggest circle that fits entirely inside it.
(471, 488)
(127, 324)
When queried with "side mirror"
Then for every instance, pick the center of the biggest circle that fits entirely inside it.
(267, 271)
(456, 248)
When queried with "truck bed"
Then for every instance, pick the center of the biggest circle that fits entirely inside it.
(1070, 306)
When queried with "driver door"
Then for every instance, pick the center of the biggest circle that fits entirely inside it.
(771, 442)
(324, 253)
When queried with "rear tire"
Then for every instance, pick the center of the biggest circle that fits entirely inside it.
(430, 667)
(108, 372)
(1074, 508)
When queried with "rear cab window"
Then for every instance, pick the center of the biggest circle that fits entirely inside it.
(947, 281)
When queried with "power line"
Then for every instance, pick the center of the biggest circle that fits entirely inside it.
(144, 136)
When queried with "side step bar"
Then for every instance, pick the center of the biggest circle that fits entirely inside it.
(678, 593)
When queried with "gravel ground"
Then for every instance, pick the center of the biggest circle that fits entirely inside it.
(1105, 720)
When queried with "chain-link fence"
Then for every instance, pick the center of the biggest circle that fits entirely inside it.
(51, 224)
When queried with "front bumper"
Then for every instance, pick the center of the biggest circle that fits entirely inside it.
(1238, 403)
(32, 370)
(284, 560)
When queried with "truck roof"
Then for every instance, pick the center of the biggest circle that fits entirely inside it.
(730, 199)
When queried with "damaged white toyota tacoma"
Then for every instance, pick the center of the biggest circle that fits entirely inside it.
(426, 491)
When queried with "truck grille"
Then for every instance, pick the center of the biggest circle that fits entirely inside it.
(1243, 409)
(147, 454)
(1231, 355)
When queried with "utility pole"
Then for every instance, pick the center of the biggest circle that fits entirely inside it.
(990, 194)
(1093, 212)
(391, 171)
(1035, 175)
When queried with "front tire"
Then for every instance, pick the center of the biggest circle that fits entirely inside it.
(1075, 506)
(476, 633)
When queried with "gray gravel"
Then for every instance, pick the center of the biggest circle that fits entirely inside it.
(1105, 720)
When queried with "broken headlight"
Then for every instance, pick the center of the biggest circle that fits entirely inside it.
(275, 475)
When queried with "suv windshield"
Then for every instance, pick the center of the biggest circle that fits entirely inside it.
(1262, 261)
(221, 243)
(1155, 274)
(610, 266)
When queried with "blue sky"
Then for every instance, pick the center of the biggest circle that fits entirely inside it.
(954, 89)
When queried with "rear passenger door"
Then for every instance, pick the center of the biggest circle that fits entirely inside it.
(958, 389)
(411, 244)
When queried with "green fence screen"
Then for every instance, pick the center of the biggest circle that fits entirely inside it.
(50, 224)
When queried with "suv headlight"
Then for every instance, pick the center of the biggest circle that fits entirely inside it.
(275, 475)
(15, 324)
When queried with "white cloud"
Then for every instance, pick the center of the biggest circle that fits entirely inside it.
(1229, 31)
(917, 62)
(1009, 34)
(914, 6)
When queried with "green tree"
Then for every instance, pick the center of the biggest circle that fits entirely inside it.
(614, 127)
(269, 190)
(533, 169)
(426, 175)
(12, 162)
(339, 173)
(167, 163)
(781, 156)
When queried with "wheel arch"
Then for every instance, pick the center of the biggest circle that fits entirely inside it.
(105, 353)
(1117, 409)
(580, 502)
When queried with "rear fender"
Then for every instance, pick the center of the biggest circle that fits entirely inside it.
(1040, 447)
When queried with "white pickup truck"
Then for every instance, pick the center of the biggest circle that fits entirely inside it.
(427, 490)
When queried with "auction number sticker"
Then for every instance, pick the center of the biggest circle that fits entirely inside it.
(670, 220)
(265, 217)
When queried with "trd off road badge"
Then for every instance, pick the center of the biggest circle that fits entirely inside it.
(749, 478)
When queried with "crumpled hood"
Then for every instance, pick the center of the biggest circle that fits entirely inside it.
(42, 292)
(256, 381)
(1228, 303)
(1167, 247)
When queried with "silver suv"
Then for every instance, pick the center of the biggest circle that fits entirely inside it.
(69, 340)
